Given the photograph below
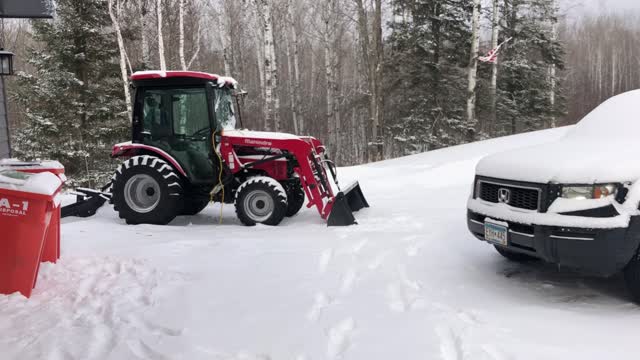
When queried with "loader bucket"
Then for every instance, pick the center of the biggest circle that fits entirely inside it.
(88, 201)
(345, 204)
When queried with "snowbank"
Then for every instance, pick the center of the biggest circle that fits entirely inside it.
(408, 283)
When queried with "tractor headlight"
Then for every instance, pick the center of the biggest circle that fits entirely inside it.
(588, 192)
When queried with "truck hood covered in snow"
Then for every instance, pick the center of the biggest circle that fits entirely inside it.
(602, 148)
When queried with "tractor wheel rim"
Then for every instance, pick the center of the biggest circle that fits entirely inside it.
(258, 205)
(142, 193)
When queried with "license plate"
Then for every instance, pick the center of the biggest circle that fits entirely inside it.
(495, 233)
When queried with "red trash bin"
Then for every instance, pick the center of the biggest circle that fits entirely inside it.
(51, 252)
(27, 205)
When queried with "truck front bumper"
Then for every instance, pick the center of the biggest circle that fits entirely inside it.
(600, 252)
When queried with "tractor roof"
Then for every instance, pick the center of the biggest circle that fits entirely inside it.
(157, 74)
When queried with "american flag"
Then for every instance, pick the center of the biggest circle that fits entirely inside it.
(492, 56)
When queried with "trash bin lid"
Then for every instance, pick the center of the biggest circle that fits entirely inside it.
(44, 183)
(30, 165)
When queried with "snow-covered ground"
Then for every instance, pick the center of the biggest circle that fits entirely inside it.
(409, 282)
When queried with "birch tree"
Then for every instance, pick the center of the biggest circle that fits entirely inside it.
(372, 56)
(293, 66)
(115, 20)
(272, 100)
(183, 61)
(552, 67)
(144, 38)
(473, 66)
(163, 61)
(493, 85)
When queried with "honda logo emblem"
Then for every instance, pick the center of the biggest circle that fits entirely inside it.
(504, 195)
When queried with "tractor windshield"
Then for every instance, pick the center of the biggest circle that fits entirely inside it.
(225, 113)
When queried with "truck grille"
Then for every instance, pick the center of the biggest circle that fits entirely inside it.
(513, 195)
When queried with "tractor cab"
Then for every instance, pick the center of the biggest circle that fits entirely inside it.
(178, 112)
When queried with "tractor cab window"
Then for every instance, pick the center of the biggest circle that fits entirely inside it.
(170, 113)
(190, 112)
(176, 120)
(225, 113)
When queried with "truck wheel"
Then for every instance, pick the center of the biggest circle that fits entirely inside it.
(514, 256)
(632, 278)
(194, 206)
(261, 200)
(295, 199)
(147, 190)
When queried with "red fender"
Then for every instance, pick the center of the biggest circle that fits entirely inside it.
(129, 149)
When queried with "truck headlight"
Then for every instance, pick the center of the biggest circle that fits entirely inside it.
(588, 192)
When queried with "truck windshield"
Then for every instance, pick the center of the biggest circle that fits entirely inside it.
(225, 113)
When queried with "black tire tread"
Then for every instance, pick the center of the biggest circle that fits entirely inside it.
(270, 186)
(171, 204)
(295, 199)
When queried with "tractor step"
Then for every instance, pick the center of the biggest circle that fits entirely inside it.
(345, 203)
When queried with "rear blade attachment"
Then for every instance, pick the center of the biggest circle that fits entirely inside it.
(88, 201)
(346, 202)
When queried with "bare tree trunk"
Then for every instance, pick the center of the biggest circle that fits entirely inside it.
(183, 61)
(473, 69)
(115, 19)
(552, 70)
(495, 26)
(330, 96)
(163, 62)
(197, 50)
(372, 56)
(144, 39)
(292, 36)
(378, 56)
(292, 92)
(272, 99)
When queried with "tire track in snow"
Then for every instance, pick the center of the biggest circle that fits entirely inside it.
(324, 260)
(340, 338)
(321, 302)
(451, 347)
(348, 280)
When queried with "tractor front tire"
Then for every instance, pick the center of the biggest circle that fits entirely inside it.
(193, 206)
(295, 199)
(261, 200)
(147, 190)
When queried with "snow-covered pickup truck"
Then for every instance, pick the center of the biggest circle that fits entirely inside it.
(573, 202)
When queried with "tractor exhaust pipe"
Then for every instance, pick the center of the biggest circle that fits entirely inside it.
(346, 202)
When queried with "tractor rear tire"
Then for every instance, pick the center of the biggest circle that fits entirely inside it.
(147, 190)
(261, 200)
(193, 206)
(295, 199)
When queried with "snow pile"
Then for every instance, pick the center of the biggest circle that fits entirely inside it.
(602, 148)
(263, 135)
(409, 282)
(227, 81)
(30, 165)
(43, 183)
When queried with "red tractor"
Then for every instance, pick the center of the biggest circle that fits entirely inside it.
(186, 151)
